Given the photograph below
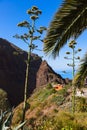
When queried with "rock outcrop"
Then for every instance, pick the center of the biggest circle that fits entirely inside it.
(13, 68)
(46, 75)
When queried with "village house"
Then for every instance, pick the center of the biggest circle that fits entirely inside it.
(58, 87)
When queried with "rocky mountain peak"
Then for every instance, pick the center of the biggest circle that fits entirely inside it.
(13, 68)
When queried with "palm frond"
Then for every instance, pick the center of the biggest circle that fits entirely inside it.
(82, 72)
(69, 21)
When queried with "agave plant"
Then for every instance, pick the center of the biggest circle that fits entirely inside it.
(6, 120)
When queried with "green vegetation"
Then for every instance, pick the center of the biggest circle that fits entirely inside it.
(81, 104)
(47, 106)
(50, 109)
(62, 121)
(4, 103)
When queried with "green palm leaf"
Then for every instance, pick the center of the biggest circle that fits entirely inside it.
(82, 72)
(69, 21)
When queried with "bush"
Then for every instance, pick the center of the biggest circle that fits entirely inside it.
(58, 99)
(62, 121)
(4, 103)
(81, 104)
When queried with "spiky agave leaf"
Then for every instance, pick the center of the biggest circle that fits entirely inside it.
(69, 21)
(82, 72)
(19, 126)
(2, 116)
(7, 123)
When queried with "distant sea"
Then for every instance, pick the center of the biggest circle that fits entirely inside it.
(68, 74)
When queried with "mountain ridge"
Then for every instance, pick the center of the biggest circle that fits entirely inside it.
(13, 68)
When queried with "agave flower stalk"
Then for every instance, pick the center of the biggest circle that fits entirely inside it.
(72, 45)
(29, 39)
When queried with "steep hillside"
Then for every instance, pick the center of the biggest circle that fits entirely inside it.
(48, 109)
(12, 72)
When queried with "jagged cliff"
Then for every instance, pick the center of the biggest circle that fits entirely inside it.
(12, 72)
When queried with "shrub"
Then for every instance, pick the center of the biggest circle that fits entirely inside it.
(49, 86)
(58, 99)
(81, 104)
(62, 121)
(4, 103)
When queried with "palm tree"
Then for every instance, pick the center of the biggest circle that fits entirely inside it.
(69, 21)
(82, 72)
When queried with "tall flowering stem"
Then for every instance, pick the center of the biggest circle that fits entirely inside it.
(72, 45)
(29, 39)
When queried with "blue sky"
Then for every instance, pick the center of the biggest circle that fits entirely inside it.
(14, 11)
